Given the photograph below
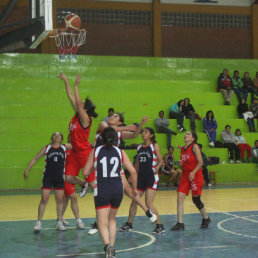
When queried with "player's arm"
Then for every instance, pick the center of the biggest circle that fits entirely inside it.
(68, 146)
(68, 91)
(89, 165)
(159, 158)
(198, 156)
(133, 175)
(33, 161)
(84, 118)
(131, 135)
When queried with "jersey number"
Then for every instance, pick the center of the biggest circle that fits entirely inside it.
(113, 161)
(142, 159)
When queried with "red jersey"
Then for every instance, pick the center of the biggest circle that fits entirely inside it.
(79, 135)
(189, 159)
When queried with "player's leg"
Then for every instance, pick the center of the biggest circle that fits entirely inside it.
(138, 200)
(103, 219)
(149, 199)
(112, 226)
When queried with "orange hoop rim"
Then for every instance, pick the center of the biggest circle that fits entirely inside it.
(59, 31)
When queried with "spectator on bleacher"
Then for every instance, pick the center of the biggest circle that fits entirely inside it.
(169, 168)
(255, 82)
(162, 127)
(175, 112)
(238, 87)
(254, 108)
(111, 112)
(248, 84)
(242, 145)
(225, 86)
(189, 112)
(255, 152)
(244, 113)
(210, 126)
(229, 142)
(205, 171)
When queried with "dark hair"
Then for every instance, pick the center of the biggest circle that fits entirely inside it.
(178, 103)
(161, 111)
(111, 109)
(109, 136)
(52, 136)
(255, 141)
(151, 132)
(170, 147)
(239, 131)
(236, 71)
(200, 145)
(188, 99)
(212, 117)
(121, 118)
(90, 107)
(227, 126)
(194, 136)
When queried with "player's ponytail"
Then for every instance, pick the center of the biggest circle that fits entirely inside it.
(151, 132)
(89, 107)
(109, 136)
(194, 136)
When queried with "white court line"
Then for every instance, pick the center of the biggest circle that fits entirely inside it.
(219, 225)
(207, 247)
(152, 240)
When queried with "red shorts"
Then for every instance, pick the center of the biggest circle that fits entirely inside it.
(75, 162)
(196, 185)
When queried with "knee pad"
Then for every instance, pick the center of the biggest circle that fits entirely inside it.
(197, 202)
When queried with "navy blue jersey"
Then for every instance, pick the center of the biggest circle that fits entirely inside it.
(55, 161)
(108, 167)
(98, 139)
(147, 158)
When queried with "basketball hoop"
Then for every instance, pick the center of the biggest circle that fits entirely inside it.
(68, 42)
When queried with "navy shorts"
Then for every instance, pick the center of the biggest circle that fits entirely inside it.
(53, 183)
(109, 194)
(149, 181)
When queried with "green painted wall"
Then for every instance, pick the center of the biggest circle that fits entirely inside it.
(33, 103)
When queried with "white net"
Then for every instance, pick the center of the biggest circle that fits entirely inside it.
(68, 42)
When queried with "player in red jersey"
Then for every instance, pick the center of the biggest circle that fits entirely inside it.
(192, 178)
(79, 128)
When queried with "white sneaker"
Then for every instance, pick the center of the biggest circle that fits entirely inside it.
(79, 224)
(60, 226)
(209, 185)
(65, 222)
(231, 161)
(211, 144)
(37, 226)
(238, 161)
(84, 190)
(94, 229)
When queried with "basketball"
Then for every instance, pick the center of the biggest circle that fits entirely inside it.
(72, 21)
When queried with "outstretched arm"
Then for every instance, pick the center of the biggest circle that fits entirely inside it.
(133, 175)
(84, 118)
(33, 161)
(130, 135)
(68, 91)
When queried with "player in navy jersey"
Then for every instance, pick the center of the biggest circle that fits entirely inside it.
(107, 161)
(53, 176)
(148, 163)
(123, 132)
(191, 179)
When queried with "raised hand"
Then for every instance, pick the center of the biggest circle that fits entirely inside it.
(62, 77)
(78, 79)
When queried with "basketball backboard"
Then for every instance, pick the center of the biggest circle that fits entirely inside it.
(41, 9)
